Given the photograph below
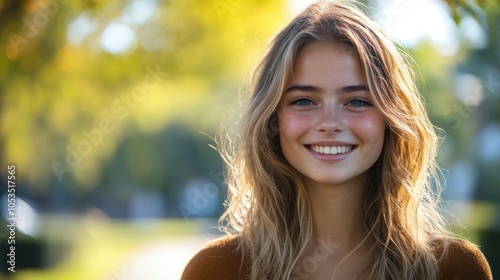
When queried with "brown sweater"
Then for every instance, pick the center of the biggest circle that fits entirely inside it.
(221, 260)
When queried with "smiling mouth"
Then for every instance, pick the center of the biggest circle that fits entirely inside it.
(331, 150)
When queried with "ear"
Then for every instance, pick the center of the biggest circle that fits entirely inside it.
(273, 125)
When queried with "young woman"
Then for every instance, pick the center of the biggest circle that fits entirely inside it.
(333, 175)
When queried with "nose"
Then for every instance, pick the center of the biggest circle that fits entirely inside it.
(331, 119)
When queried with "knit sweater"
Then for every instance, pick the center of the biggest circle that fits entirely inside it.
(221, 260)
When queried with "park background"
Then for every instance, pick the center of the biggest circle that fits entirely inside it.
(108, 110)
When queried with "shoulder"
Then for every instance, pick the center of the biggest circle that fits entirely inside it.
(462, 260)
(220, 259)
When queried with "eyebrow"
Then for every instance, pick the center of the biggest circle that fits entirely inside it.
(309, 88)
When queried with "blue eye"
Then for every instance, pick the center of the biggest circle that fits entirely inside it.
(302, 102)
(358, 103)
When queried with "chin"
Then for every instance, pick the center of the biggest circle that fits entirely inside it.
(327, 181)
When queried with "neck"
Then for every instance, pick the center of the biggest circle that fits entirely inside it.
(337, 215)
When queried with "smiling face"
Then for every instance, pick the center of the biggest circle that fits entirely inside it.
(328, 128)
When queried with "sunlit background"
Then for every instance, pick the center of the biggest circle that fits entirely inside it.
(108, 111)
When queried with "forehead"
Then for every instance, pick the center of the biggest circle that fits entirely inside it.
(321, 62)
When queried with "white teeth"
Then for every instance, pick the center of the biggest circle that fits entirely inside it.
(331, 150)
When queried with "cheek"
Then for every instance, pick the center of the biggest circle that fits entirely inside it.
(371, 128)
(293, 124)
(291, 128)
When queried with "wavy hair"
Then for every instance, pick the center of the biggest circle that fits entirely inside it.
(268, 206)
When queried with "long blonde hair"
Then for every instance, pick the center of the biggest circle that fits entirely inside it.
(267, 204)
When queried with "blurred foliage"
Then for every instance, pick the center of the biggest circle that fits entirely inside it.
(462, 93)
(465, 119)
(73, 115)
